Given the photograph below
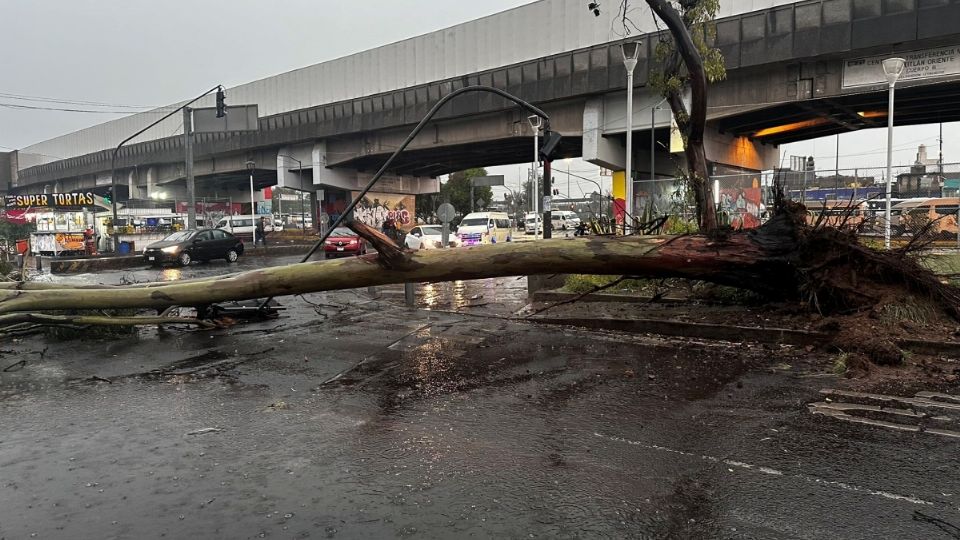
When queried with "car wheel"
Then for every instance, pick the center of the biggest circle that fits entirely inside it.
(232, 256)
(184, 259)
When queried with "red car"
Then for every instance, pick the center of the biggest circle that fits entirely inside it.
(343, 242)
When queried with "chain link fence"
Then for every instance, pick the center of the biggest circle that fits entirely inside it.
(924, 200)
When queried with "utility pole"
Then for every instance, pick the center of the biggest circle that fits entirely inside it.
(188, 160)
(547, 181)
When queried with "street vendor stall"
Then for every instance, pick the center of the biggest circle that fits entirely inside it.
(65, 221)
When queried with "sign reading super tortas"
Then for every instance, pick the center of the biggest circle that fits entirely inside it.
(49, 200)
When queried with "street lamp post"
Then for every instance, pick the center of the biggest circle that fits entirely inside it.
(892, 68)
(536, 123)
(253, 211)
(630, 53)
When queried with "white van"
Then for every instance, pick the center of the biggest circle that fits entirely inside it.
(564, 220)
(484, 228)
(243, 224)
(533, 223)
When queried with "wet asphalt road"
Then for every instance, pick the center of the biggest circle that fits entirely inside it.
(351, 417)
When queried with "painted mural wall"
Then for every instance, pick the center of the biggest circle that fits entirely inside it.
(375, 208)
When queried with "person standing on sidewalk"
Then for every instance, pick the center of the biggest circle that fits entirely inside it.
(260, 233)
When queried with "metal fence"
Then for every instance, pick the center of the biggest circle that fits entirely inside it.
(924, 200)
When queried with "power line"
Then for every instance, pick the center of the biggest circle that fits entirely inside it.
(41, 99)
(63, 109)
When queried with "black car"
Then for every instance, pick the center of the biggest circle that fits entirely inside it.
(184, 247)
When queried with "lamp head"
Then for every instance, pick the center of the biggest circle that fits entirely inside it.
(630, 51)
(893, 68)
(251, 165)
(535, 122)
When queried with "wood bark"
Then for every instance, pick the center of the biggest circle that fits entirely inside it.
(692, 122)
(743, 260)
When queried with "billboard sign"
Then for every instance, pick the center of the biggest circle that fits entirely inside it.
(925, 64)
(238, 118)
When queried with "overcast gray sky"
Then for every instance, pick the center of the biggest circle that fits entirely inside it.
(139, 52)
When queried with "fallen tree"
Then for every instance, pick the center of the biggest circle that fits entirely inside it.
(784, 259)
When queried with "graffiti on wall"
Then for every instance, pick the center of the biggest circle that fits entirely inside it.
(375, 208)
(741, 207)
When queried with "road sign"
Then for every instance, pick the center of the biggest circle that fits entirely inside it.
(924, 64)
(546, 203)
(479, 181)
(446, 212)
(238, 118)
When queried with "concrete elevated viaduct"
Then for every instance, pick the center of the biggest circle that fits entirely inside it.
(796, 70)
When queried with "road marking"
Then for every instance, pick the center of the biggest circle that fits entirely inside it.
(772, 472)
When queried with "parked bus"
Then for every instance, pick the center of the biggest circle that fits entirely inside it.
(911, 216)
(837, 213)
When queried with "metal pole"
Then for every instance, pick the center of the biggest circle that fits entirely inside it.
(409, 295)
(547, 181)
(628, 177)
(653, 140)
(536, 182)
(113, 164)
(836, 171)
(188, 160)
(253, 212)
(886, 226)
(303, 218)
(471, 195)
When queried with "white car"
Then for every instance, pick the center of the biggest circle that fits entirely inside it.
(428, 237)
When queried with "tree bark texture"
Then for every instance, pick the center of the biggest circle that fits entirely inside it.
(745, 260)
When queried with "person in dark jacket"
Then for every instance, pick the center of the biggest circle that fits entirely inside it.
(260, 234)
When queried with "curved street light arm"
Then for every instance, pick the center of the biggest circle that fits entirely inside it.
(113, 158)
(413, 134)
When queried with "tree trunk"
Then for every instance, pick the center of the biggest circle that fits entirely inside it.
(693, 122)
(742, 261)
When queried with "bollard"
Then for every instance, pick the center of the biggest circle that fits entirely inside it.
(20, 261)
(409, 294)
(39, 263)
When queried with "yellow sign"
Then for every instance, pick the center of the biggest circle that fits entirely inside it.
(676, 139)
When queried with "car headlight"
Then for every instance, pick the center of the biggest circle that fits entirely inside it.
(171, 249)
(352, 242)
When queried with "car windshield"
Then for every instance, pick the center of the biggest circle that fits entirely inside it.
(342, 231)
(179, 236)
(531, 219)
(472, 222)
(435, 231)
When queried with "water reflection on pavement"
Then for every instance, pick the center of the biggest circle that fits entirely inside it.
(350, 417)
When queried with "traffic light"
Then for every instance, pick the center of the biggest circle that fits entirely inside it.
(551, 139)
(221, 106)
(108, 198)
(556, 191)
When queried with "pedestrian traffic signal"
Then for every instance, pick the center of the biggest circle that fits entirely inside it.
(108, 198)
(221, 105)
